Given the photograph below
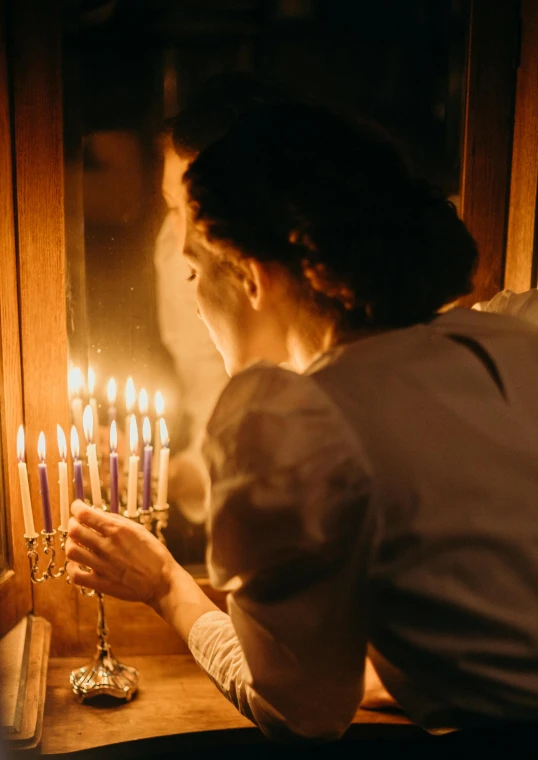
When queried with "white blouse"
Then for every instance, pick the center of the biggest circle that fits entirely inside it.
(386, 498)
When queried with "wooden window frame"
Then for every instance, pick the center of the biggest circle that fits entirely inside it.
(15, 591)
(39, 182)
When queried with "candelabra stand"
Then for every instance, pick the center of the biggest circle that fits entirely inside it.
(104, 674)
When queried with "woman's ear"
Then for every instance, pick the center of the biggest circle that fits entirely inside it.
(256, 282)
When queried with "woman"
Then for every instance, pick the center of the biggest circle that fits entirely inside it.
(383, 494)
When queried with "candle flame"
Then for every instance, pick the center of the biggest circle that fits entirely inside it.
(75, 446)
(41, 450)
(87, 423)
(113, 436)
(20, 444)
(143, 401)
(74, 381)
(164, 433)
(130, 394)
(146, 431)
(133, 435)
(159, 404)
(91, 380)
(62, 443)
(111, 391)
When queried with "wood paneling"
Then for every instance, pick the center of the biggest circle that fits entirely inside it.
(37, 106)
(488, 137)
(15, 593)
(520, 249)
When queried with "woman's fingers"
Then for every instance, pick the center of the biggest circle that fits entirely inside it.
(86, 536)
(96, 519)
(86, 579)
(76, 553)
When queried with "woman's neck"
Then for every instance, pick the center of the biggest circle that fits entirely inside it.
(321, 335)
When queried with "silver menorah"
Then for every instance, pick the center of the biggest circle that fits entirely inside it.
(104, 674)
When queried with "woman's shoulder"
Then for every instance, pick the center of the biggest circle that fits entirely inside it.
(265, 388)
(268, 414)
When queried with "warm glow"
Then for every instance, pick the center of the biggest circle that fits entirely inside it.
(41, 446)
(74, 381)
(62, 443)
(75, 446)
(130, 394)
(164, 432)
(159, 404)
(143, 401)
(111, 391)
(87, 423)
(91, 380)
(113, 436)
(146, 431)
(133, 435)
(20, 444)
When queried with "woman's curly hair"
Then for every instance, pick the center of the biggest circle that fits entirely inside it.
(337, 205)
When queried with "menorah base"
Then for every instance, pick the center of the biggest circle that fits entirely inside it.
(104, 675)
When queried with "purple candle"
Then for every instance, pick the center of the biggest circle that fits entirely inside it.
(79, 479)
(148, 452)
(44, 485)
(114, 502)
(77, 465)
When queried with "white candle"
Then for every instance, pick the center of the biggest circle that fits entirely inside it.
(95, 413)
(159, 411)
(62, 472)
(132, 482)
(130, 398)
(75, 387)
(164, 458)
(29, 529)
(95, 483)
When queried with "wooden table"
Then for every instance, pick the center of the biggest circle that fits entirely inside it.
(177, 702)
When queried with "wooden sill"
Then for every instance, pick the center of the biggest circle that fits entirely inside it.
(177, 707)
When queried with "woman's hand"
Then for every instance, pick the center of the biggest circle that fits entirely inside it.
(125, 559)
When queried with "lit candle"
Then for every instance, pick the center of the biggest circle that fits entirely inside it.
(62, 471)
(29, 529)
(164, 457)
(111, 393)
(130, 399)
(113, 467)
(159, 411)
(77, 465)
(75, 386)
(148, 451)
(143, 402)
(95, 412)
(132, 484)
(44, 484)
(95, 484)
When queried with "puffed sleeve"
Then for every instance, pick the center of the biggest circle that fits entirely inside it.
(290, 536)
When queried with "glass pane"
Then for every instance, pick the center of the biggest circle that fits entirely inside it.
(128, 65)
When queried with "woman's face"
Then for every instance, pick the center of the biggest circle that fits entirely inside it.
(241, 331)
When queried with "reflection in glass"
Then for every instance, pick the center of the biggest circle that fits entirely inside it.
(129, 65)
